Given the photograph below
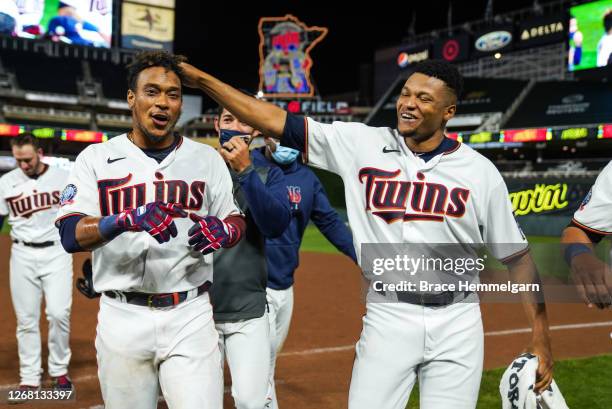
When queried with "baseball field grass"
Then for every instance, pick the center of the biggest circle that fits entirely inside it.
(584, 383)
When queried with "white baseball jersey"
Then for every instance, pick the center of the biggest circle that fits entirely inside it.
(393, 196)
(594, 212)
(32, 204)
(112, 176)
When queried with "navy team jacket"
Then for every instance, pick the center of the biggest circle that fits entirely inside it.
(308, 202)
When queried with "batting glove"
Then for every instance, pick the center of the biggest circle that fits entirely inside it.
(210, 233)
(156, 218)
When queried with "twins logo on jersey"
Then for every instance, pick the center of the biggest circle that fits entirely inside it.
(295, 196)
(394, 200)
(116, 195)
(26, 206)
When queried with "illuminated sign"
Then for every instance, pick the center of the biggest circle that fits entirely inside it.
(76, 135)
(407, 57)
(10, 130)
(604, 131)
(526, 135)
(542, 30)
(574, 133)
(481, 137)
(541, 198)
(452, 49)
(284, 56)
(44, 133)
(315, 107)
(493, 41)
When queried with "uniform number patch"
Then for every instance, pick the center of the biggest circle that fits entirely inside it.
(68, 195)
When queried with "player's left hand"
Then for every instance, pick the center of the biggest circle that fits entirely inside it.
(540, 347)
(236, 153)
(209, 233)
(191, 75)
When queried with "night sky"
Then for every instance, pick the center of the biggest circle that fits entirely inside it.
(224, 40)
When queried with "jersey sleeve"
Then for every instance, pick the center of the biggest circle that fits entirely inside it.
(594, 212)
(4, 210)
(500, 231)
(221, 191)
(330, 146)
(80, 195)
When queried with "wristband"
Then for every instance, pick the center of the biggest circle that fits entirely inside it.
(109, 227)
(572, 250)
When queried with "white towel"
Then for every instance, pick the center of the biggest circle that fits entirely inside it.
(516, 387)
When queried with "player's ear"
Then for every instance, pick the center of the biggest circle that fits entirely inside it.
(449, 112)
(130, 98)
(216, 122)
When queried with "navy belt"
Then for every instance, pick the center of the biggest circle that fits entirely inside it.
(430, 300)
(35, 245)
(156, 300)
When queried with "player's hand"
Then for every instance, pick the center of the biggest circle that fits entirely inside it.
(236, 153)
(156, 218)
(209, 233)
(593, 279)
(540, 347)
(191, 75)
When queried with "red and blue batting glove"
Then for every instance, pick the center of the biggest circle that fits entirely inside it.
(156, 218)
(210, 233)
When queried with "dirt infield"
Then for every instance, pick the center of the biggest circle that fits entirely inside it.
(314, 368)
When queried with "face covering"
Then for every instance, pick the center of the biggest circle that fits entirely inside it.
(227, 134)
(284, 155)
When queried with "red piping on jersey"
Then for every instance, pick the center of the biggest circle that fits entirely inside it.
(590, 229)
(59, 219)
(518, 254)
(448, 152)
(305, 140)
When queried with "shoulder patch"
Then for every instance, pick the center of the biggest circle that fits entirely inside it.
(586, 199)
(68, 195)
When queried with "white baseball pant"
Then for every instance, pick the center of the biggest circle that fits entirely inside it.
(35, 272)
(443, 346)
(280, 306)
(246, 346)
(139, 348)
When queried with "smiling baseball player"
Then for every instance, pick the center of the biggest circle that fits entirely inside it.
(39, 266)
(411, 185)
(128, 200)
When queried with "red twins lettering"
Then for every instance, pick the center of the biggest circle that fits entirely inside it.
(117, 195)
(26, 206)
(393, 200)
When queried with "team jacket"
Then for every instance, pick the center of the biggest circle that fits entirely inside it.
(240, 274)
(308, 202)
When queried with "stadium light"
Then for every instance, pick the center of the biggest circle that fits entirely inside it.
(497, 56)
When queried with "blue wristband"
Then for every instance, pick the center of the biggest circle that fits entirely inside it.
(109, 228)
(574, 249)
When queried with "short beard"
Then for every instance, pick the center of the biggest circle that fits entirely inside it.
(154, 138)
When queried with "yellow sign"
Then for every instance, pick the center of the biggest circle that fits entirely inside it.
(574, 133)
(147, 27)
(541, 198)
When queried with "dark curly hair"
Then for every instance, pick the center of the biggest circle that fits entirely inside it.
(443, 71)
(147, 59)
(608, 21)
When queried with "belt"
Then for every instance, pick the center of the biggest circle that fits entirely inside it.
(35, 245)
(156, 300)
(430, 300)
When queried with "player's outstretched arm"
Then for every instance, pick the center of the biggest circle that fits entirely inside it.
(592, 277)
(523, 270)
(263, 116)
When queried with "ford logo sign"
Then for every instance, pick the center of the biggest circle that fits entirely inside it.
(492, 41)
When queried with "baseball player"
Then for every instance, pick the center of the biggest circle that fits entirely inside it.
(29, 196)
(128, 200)
(387, 175)
(308, 203)
(590, 224)
(239, 290)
